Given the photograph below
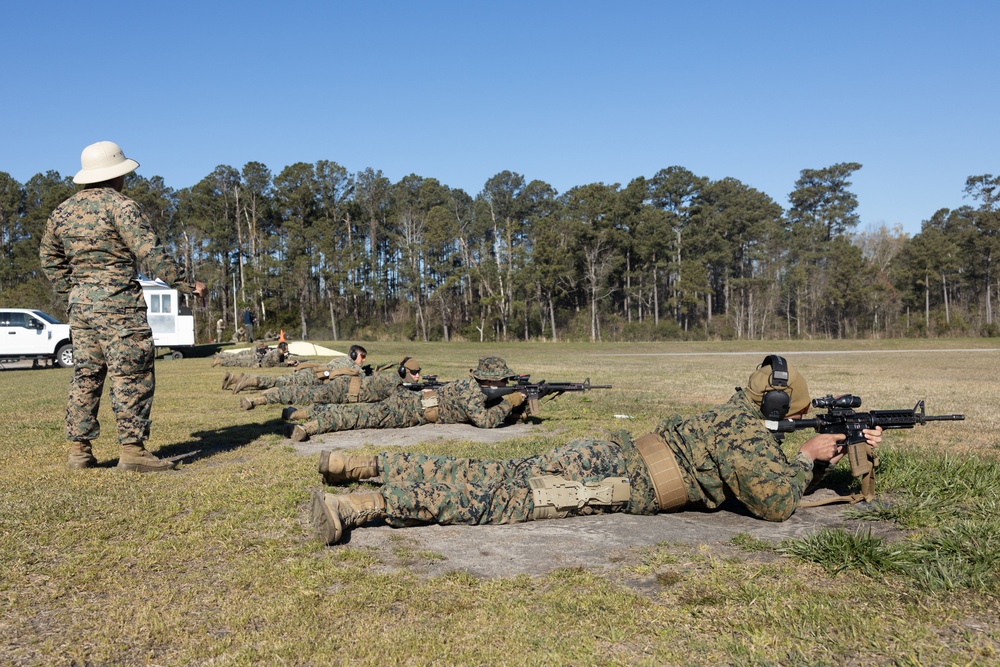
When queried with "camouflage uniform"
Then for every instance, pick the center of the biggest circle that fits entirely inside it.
(724, 452)
(372, 389)
(90, 250)
(252, 359)
(304, 376)
(459, 402)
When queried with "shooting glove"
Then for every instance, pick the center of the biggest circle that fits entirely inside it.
(515, 399)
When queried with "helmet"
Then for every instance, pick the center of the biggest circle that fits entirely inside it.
(102, 162)
(492, 368)
(764, 387)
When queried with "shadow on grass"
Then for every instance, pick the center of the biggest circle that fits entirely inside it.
(205, 444)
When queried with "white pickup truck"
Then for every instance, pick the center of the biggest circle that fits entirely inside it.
(32, 334)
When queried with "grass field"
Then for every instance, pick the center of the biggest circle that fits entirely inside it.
(215, 565)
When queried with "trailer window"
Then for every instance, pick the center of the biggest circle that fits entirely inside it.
(159, 303)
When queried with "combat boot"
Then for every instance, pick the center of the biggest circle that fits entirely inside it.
(137, 459)
(292, 413)
(301, 432)
(80, 455)
(336, 468)
(216, 359)
(250, 402)
(333, 515)
(245, 382)
(229, 379)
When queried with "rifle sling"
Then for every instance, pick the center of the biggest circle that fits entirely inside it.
(863, 463)
(668, 482)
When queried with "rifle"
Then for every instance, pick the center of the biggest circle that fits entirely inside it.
(534, 392)
(429, 382)
(841, 418)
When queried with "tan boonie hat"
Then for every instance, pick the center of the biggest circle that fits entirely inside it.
(411, 364)
(102, 162)
(759, 384)
(492, 368)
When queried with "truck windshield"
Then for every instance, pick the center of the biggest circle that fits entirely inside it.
(45, 316)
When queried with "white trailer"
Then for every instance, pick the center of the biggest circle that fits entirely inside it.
(171, 322)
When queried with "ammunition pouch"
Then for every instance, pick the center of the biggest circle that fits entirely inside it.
(668, 482)
(429, 405)
(555, 497)
(354, 390)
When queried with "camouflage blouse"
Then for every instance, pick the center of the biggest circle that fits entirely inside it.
(91, 248)
(725, 452)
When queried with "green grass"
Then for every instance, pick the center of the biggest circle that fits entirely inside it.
(215, 564)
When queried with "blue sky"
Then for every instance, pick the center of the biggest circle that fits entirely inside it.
(565, 92)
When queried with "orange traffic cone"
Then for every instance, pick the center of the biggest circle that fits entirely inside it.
(281, 336)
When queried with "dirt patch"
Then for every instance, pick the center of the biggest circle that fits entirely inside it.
(602, 542)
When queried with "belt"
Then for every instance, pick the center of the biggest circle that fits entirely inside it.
(668, 482)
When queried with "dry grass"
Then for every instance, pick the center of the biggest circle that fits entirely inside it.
(213, 564)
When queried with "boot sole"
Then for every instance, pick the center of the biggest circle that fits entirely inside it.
(326, 524)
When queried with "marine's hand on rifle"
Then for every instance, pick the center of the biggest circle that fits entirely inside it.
(830, 447)
(826, 447)
(515, 398)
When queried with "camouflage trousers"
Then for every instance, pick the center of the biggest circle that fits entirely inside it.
(118, 346)
(329, 392)
(302, 377)
(250, 360)
(440, 489)
(400, 410)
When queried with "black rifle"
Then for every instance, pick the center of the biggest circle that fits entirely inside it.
(534, 392)
(429, 382)
(841, 418)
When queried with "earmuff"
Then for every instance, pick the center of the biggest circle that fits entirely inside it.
(775, 402)
(402, 368)
(355, 351)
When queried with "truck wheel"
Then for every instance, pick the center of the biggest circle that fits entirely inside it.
(64, 356)
(176, 354)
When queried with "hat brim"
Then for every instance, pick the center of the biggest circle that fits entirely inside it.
(87, 176)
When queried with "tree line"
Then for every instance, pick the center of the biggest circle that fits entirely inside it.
(326, 254)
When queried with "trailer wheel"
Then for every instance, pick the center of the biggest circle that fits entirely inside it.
(64, 356)
(176, 354)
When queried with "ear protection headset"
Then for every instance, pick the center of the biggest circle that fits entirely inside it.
(355, 351)
(775, 402)
(402, 368)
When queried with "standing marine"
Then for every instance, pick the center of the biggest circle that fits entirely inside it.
(91, 251)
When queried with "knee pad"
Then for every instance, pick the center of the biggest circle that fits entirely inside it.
(555, 497)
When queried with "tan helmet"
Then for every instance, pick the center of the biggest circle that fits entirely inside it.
(776, 394)
(102, 162)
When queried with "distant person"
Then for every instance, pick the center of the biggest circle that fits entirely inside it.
(219, 326)
(695, 463)
(91, 249)
(457, 402)
(248, 322)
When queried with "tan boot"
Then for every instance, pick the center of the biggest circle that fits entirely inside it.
(301, 432)
(245, 382)
(337, 468)
(332, 515)
(292, 413)
(229, 379)
(137, 459)
(216, 359)
(80, 455)
(250, 402)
